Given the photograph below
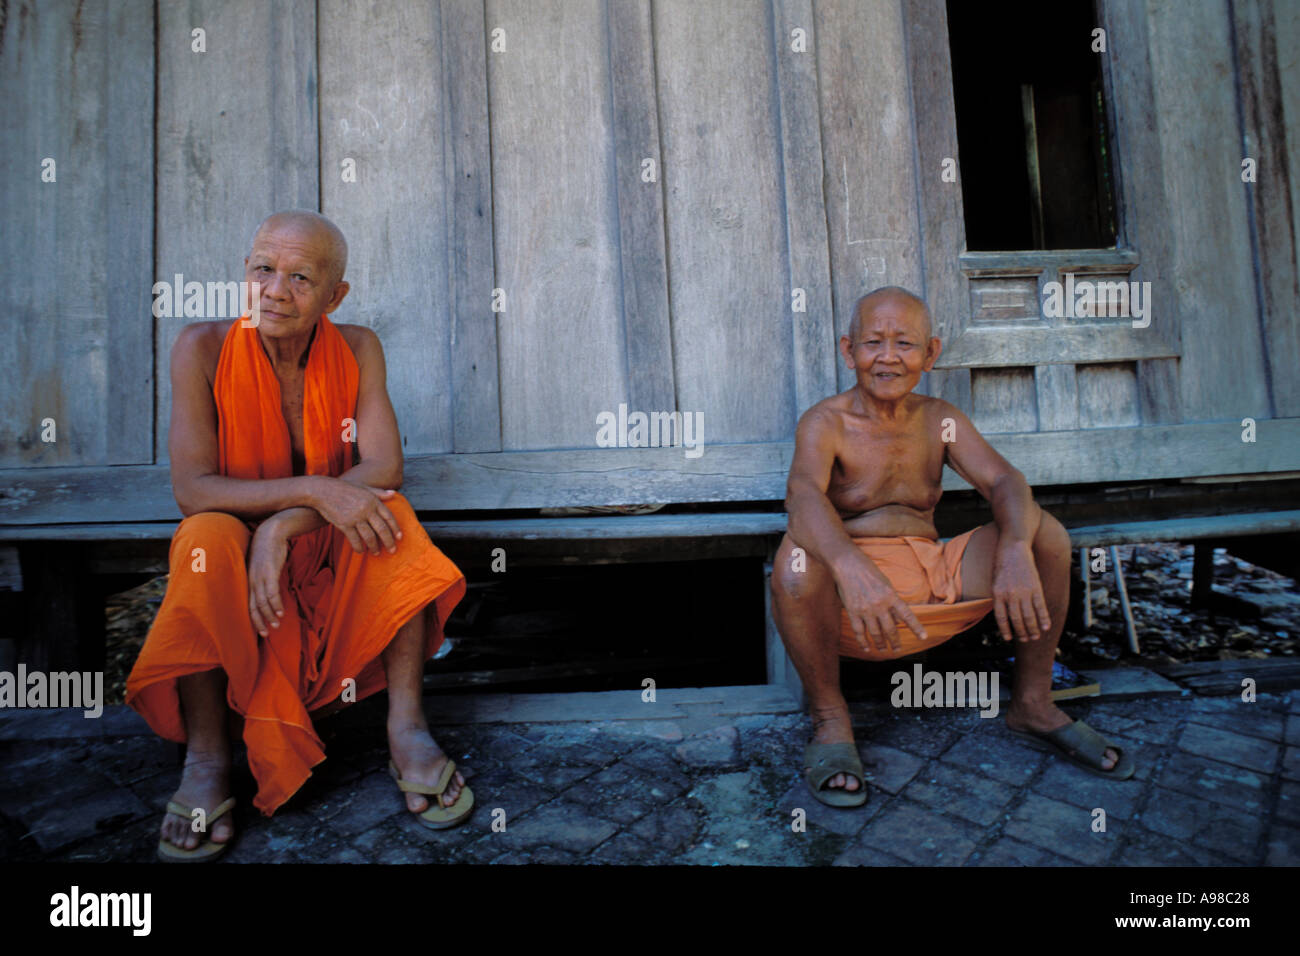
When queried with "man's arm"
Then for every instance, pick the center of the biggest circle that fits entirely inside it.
(872, 604)
(1014, 510)
(815, 525)
(1018, 603)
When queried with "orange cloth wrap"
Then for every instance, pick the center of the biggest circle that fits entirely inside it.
(927, 576)
(341, 608)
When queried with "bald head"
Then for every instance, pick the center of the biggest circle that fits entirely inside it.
(315, 228)
(889, 297)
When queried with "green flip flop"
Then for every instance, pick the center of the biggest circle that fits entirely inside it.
(823, 761)
(205, 851)
(1083, 747)
(438, 817)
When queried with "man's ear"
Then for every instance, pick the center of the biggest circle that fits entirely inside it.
(340, 291)
(847, 351)
(932, 350)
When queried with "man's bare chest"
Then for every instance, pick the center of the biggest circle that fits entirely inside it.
(291, 402)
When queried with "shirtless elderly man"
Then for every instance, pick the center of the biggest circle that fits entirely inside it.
(873, 581)
(300, 580)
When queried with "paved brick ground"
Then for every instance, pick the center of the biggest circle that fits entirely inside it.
(699, 777)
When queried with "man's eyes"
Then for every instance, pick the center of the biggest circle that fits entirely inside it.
(296, 275)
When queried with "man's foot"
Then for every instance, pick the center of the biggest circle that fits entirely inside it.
(205, 782)
(835, 727)
(420, 760)
(1043, 719)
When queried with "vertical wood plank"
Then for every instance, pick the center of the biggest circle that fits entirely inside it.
(1268, 36)
(77, 83)
(128, 55)
(1058, 398)
(388, 120)
(642, 257)
(1002, 400)
(1142, 205)
(727, 263)
(476, 399)
(1221, 375)
(561, 344)
(871, 175)
(1108, 395)
(805, 207)
(943, 228)
(237, 141)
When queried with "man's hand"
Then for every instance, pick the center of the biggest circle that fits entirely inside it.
(266, 556)
(359, 512)
(1018, 603)
(873, 605)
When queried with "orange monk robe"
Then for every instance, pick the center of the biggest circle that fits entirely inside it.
(341, 608)
(926, 574)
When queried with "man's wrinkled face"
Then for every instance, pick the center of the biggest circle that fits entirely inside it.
(891, 349)
(297, 278)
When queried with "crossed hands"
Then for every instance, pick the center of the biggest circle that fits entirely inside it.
(356, 510)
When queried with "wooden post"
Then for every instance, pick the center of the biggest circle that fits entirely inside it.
(780, 669)
(1202, 573)
(1123, 601)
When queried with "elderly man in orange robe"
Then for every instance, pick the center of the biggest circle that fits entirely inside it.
(300, 579)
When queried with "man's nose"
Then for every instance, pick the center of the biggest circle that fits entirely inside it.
(273, 286)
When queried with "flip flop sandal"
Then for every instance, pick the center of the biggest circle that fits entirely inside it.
(1083, 747)
(823, 761)
(205, 851)
(438, 817)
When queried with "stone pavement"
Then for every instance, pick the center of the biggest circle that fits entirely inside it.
(705, 776)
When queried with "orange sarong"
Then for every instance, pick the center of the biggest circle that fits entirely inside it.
(927, 576)
(341, 609)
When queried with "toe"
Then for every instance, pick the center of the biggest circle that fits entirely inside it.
(416, 802)
(1110, 758)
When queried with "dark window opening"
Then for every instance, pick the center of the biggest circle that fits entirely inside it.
(1035, 163)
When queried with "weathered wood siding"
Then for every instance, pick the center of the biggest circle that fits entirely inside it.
(76, 105)
(564, 205)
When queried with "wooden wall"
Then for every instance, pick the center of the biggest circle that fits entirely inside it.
(506, 145)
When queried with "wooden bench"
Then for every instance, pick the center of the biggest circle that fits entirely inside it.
(58, 519)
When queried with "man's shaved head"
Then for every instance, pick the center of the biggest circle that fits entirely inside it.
(890, 296)
(303, 221)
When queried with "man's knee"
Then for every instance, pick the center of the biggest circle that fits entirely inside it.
(797, 575)
(1052, 539)
(401, 508)
(211, 536)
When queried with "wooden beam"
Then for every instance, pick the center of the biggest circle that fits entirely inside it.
(740, 472)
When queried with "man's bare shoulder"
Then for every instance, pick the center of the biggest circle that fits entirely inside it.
(828, 414)
(200, 343)
(940, 410)
(361, 339)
